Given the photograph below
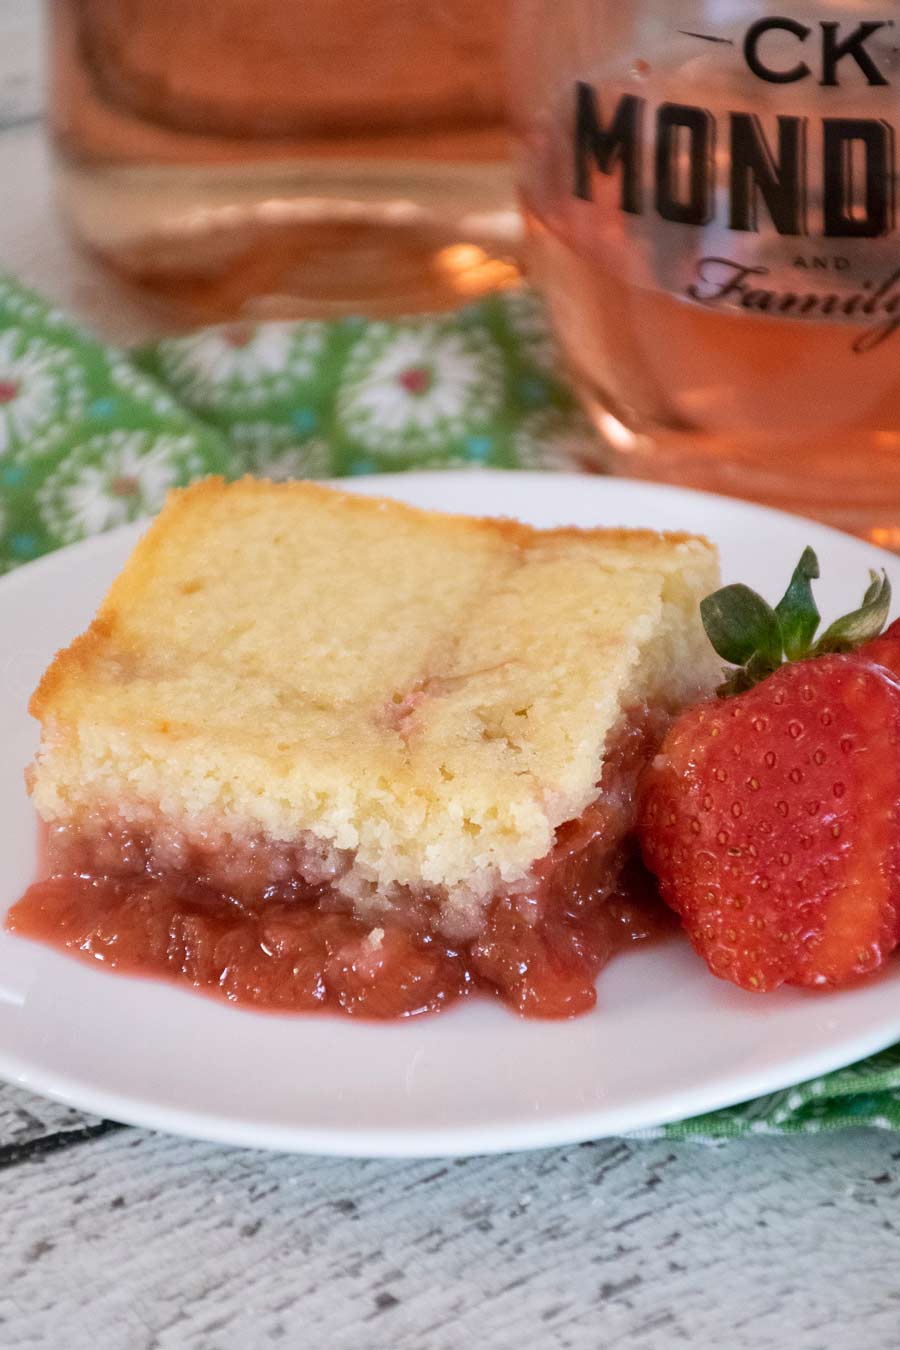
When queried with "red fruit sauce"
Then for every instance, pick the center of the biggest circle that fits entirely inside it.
(288, 946)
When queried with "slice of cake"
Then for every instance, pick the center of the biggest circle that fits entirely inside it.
(325, 749)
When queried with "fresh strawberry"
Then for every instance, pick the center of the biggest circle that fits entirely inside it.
(884, 650)
(771, 817)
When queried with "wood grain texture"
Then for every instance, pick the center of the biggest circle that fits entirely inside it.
(136, 1242)
(26, 1121)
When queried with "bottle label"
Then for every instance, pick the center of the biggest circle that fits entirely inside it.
(753, 169)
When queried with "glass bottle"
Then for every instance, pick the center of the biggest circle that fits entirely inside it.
(286, 157)
(709, 189)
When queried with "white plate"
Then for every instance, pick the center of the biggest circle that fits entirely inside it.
(665, 1041)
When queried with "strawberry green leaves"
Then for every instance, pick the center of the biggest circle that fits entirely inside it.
(861, 625)
(746, 632)
(798, 616)
(756, 639)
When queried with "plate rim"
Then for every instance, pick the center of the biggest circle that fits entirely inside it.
(401, 1142)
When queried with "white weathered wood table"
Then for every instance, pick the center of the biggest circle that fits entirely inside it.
(116, 1239)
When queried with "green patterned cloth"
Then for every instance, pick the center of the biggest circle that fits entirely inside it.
(867, 1093)
(92, 437)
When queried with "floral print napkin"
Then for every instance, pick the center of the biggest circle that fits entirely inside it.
(92, 437)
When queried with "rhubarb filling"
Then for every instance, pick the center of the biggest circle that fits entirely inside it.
(290, 927)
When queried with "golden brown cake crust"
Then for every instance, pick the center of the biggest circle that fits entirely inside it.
(433, 692)
(78, 656)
